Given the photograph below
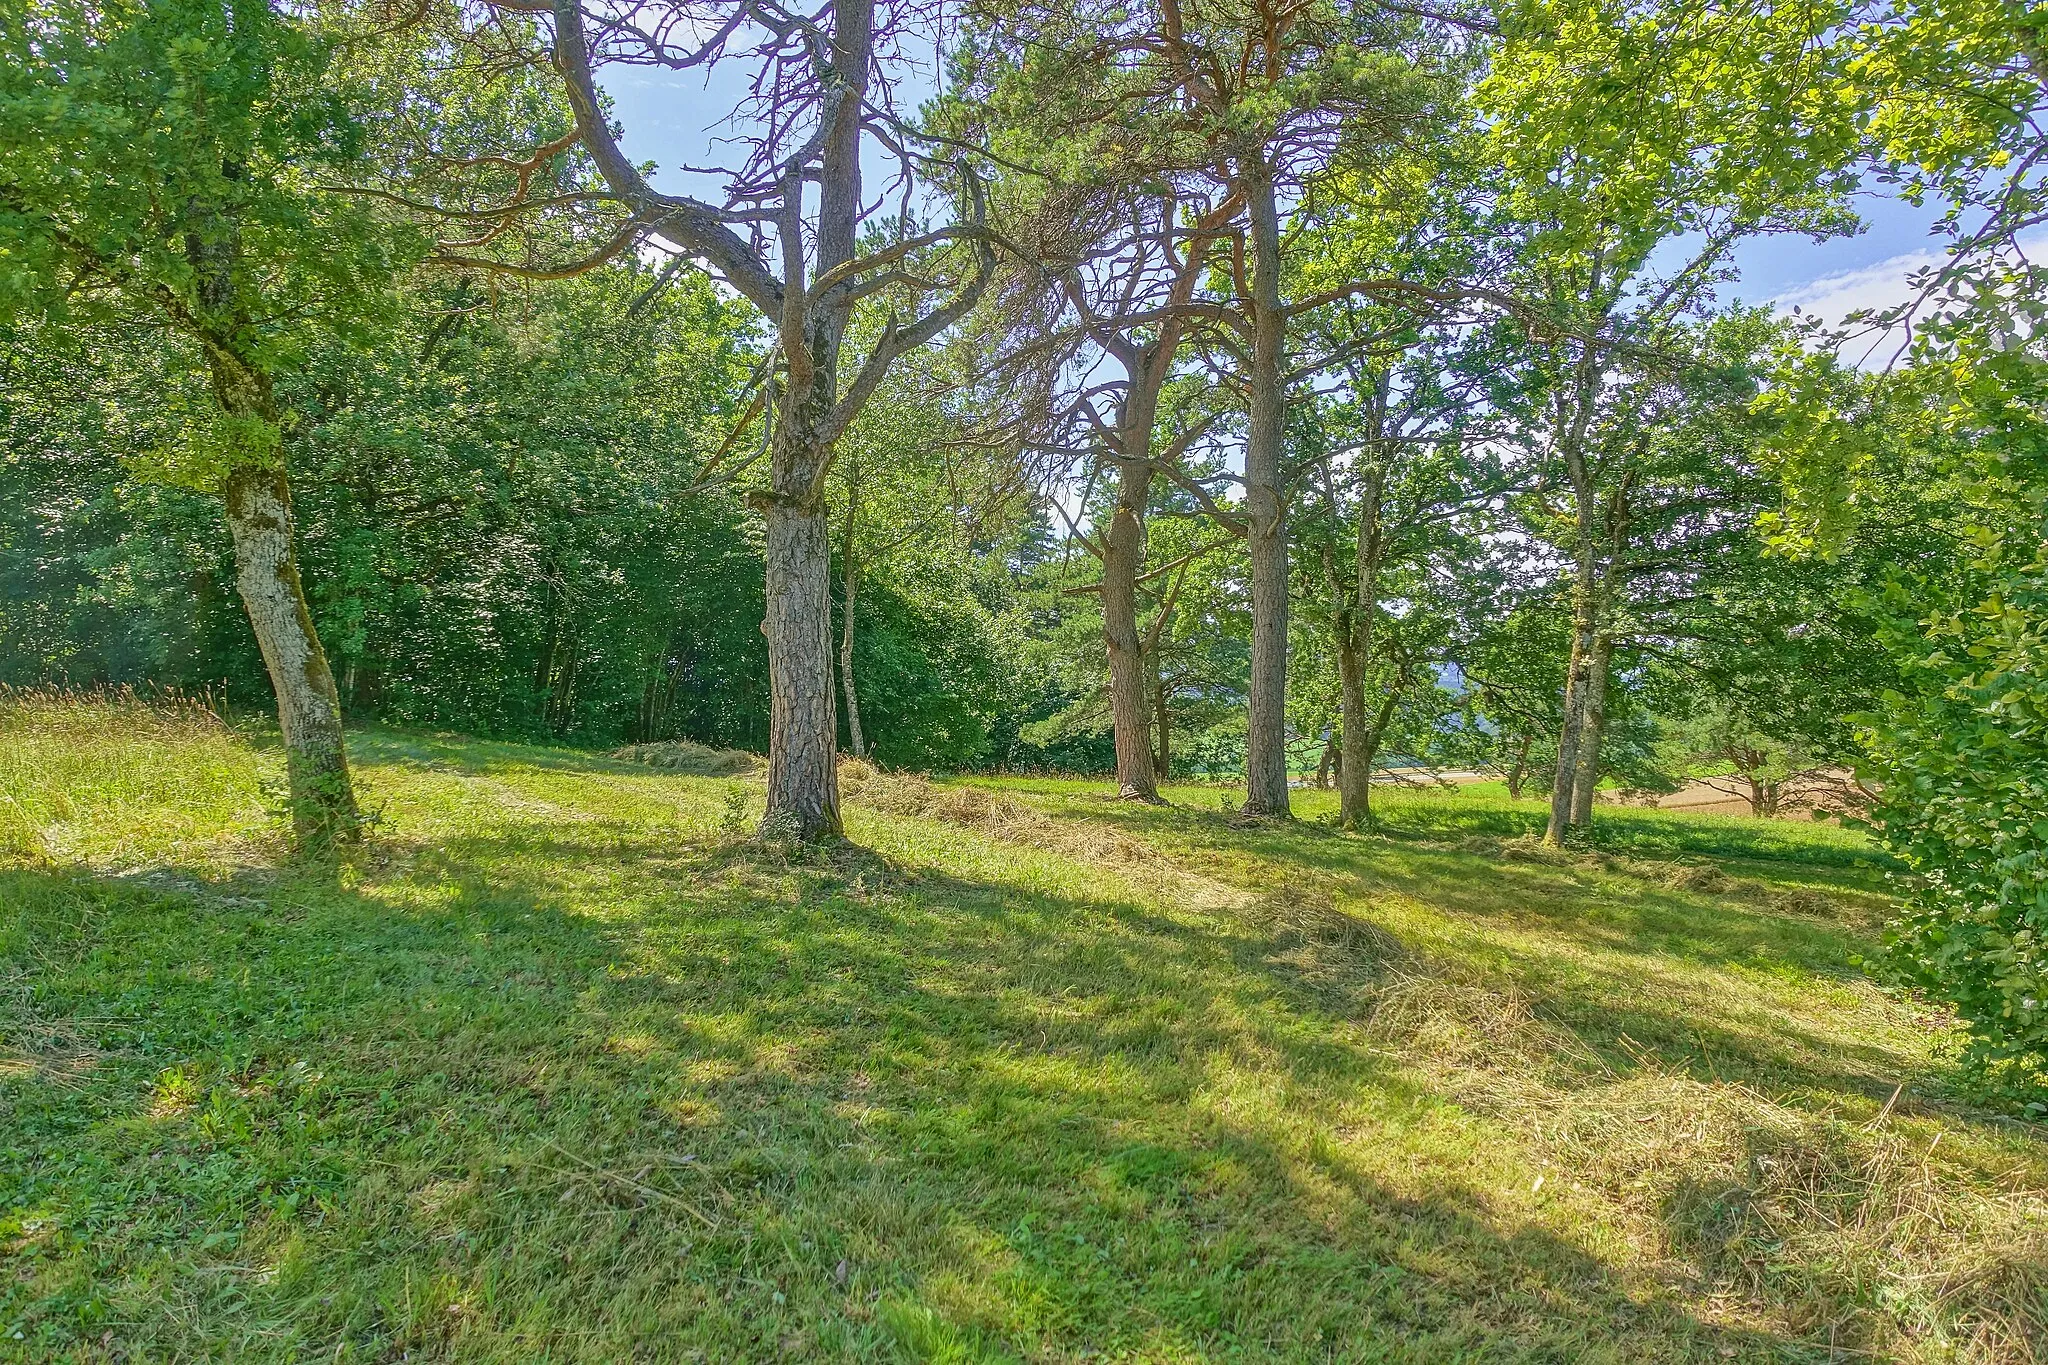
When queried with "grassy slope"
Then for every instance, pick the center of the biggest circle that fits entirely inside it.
(555, 1069)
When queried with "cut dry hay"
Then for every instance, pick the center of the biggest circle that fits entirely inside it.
(1000, 816)
(692, 759)
(1786, 1215)
(1806, 1213)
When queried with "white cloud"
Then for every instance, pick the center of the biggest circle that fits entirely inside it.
(1885, 284)
(1833, 297)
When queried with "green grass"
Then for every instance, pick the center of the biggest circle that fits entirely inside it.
(557, 1068)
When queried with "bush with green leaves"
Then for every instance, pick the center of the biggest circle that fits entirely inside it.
(1962, 755)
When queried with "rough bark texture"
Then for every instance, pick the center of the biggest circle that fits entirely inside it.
(259, 512)
(1265, 508)
(1123, 553)
(803, 726)
(809, 305)
(803, 787)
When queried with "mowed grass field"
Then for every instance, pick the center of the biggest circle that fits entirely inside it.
(561, 1066)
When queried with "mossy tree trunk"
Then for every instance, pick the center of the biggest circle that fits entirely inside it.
(258, 501)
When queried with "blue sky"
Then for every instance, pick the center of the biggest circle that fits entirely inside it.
(671, 118)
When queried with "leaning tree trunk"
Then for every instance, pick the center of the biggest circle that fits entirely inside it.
(259, 511)
(1265, 509)
(1592, 730)
(323, 801)
(1123, 551)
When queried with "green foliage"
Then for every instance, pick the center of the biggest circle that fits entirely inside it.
(1962, 752)
(137, 136)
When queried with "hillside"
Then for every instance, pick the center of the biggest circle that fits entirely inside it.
(561, 1066)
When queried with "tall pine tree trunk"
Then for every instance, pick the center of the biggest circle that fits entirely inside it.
(803, 789)
(803, 722)
(803, 726)
(1265, 508)
(1123, 554)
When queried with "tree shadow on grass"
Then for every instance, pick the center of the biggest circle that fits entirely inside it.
(1646, 965)
(451, 752)
(758, 1112)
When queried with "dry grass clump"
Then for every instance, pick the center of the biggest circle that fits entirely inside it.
(1488, 1032)
(1809, 903)
(998, 815)
(112, 773)
(1853, 1232)
(696, 760)
(1695, 877)
(1860, 1235)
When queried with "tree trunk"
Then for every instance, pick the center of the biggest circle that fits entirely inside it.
(1354, 778)
(849, 586)
(1565, 779)
(259, 512)
(803, 724)
(1162, 727)
(803, 741)
(1355, 622)
(323, 802)
(1519, 769)
(1265, 510)
(1573, 418)
(1123, 551)
(1592, 730)
(1326, 763)
(1764, 797)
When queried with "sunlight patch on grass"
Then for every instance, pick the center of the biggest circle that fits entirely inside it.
(561, 1065)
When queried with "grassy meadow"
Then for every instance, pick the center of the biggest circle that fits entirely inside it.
(560, 1065)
